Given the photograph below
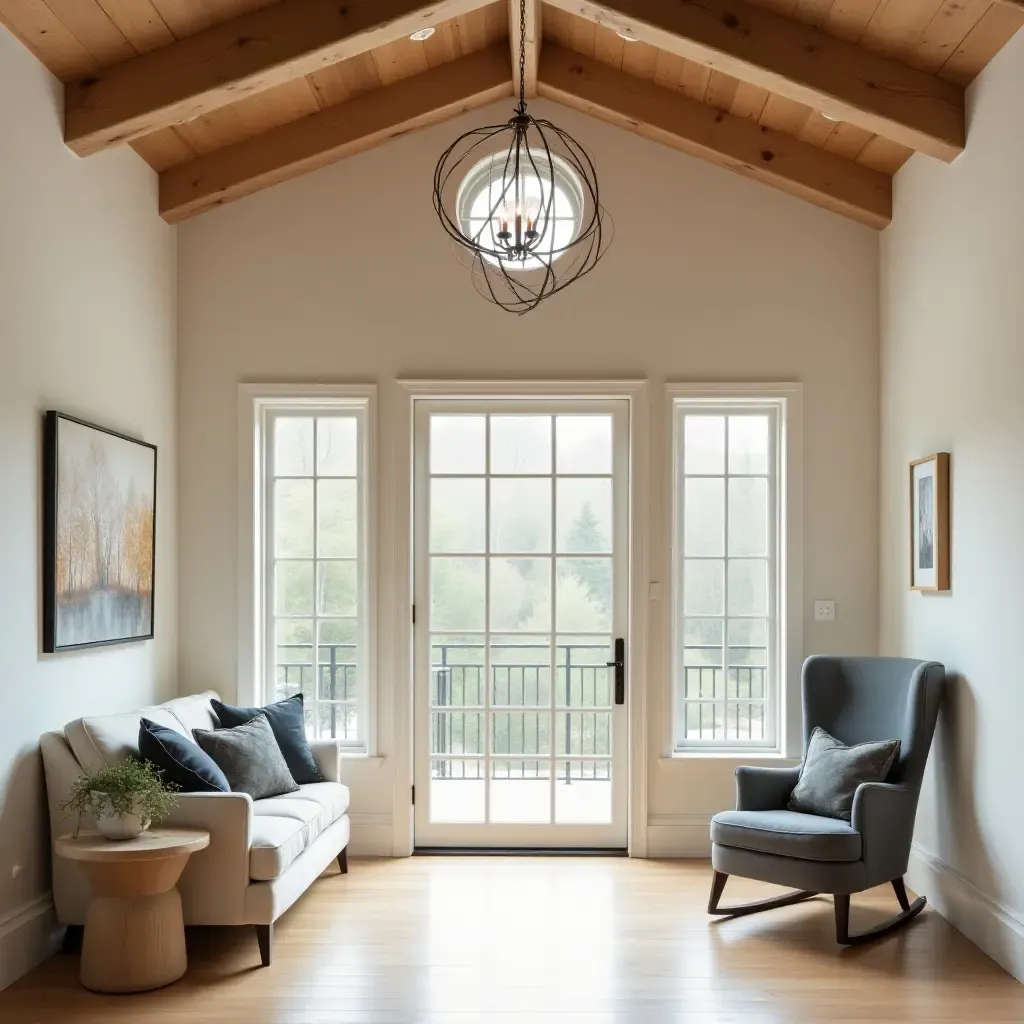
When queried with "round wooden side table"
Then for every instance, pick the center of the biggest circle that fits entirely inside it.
(134, 936)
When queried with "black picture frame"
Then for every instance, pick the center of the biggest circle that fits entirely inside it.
(70, 624)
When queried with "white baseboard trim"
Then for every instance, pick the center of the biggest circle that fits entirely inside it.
(679, 835)
(990, 925)
(371, 835)
(28, 935)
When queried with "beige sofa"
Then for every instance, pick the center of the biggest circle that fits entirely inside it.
(263, 854)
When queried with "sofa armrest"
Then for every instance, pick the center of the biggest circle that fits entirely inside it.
(327, 754)
(214, 881)
(884, 814)
(764, 789)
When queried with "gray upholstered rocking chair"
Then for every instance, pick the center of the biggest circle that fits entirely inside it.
(856, 700)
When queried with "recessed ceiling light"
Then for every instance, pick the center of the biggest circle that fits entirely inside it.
(422, 33)
(624, 34)
(829, 117)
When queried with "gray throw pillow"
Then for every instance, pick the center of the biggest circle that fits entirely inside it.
(249, 756)
(832, 771)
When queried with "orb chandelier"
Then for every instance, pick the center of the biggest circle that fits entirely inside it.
(521, 201)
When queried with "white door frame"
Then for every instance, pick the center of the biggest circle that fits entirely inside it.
(635, 391)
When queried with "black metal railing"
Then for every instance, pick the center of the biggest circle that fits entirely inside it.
(520, 689)
(335, 678)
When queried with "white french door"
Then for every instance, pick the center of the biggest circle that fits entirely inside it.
(521, 512)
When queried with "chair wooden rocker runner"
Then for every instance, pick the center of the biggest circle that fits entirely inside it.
(856, 700)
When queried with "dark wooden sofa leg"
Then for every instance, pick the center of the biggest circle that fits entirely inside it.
(343, 861)
(72, 939)
(908, 912)
(718, 887)
(265, 937)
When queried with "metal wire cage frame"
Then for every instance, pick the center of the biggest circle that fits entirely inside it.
(531, 170)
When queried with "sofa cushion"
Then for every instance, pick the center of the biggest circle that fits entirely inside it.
(287, 719)
(787, 834)
(181, 762)
(249, 756)
(102, 740)
(284, 826)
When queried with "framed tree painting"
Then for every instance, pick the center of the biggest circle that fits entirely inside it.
(99, 535)
(929, 522)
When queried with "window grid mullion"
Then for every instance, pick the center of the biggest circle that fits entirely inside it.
(316, 584)
(725, 592)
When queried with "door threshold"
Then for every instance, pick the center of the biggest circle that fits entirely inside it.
(517, 851)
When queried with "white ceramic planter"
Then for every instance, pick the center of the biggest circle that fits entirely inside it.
(117, 826)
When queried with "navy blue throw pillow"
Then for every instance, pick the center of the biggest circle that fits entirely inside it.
(182, 762)
(288, 723)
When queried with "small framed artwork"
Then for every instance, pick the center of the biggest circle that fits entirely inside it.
(99, 535)
(929, 522)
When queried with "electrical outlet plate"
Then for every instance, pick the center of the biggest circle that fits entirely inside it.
(824, 611)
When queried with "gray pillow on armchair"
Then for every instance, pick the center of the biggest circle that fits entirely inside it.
(832, 771)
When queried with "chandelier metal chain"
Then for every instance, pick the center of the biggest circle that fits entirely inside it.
(521, 200)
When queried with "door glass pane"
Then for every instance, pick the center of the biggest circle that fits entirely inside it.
(457, 671)
(457, 732)
(457, 791)
(457, 444)
(703, 444)
(704, 516)
(521, 732)
(520, 671)
(337, 516)
(584, 677)
(748, 444)
(583, 444)
(583, 792)
(520, 594)
(584, 600)
(583, 732)
(456, 593)
(457, 515)
(520, 444)
(584, 515)
(521, 516)
(520, 791)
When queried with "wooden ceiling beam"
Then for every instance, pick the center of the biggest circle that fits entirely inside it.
(797, 61)
(251, 53)
(534, 37)
(337, 132)
(744, 146)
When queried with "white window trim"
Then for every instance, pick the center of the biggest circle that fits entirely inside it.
(254, 403)
(788, 399)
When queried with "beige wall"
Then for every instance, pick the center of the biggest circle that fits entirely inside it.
(345, 275)
(952, 375)
(87, 326)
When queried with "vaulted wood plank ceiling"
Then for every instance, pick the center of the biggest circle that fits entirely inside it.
(823, 98)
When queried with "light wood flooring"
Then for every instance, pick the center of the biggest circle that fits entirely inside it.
(548, 940)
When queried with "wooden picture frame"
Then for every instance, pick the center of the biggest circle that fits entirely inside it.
(99, 535)
(929, 523)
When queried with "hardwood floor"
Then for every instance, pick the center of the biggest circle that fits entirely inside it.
(549, 940)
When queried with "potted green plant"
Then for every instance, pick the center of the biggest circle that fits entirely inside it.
(125, 798)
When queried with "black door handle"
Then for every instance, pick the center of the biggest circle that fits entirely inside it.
(620, 670)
